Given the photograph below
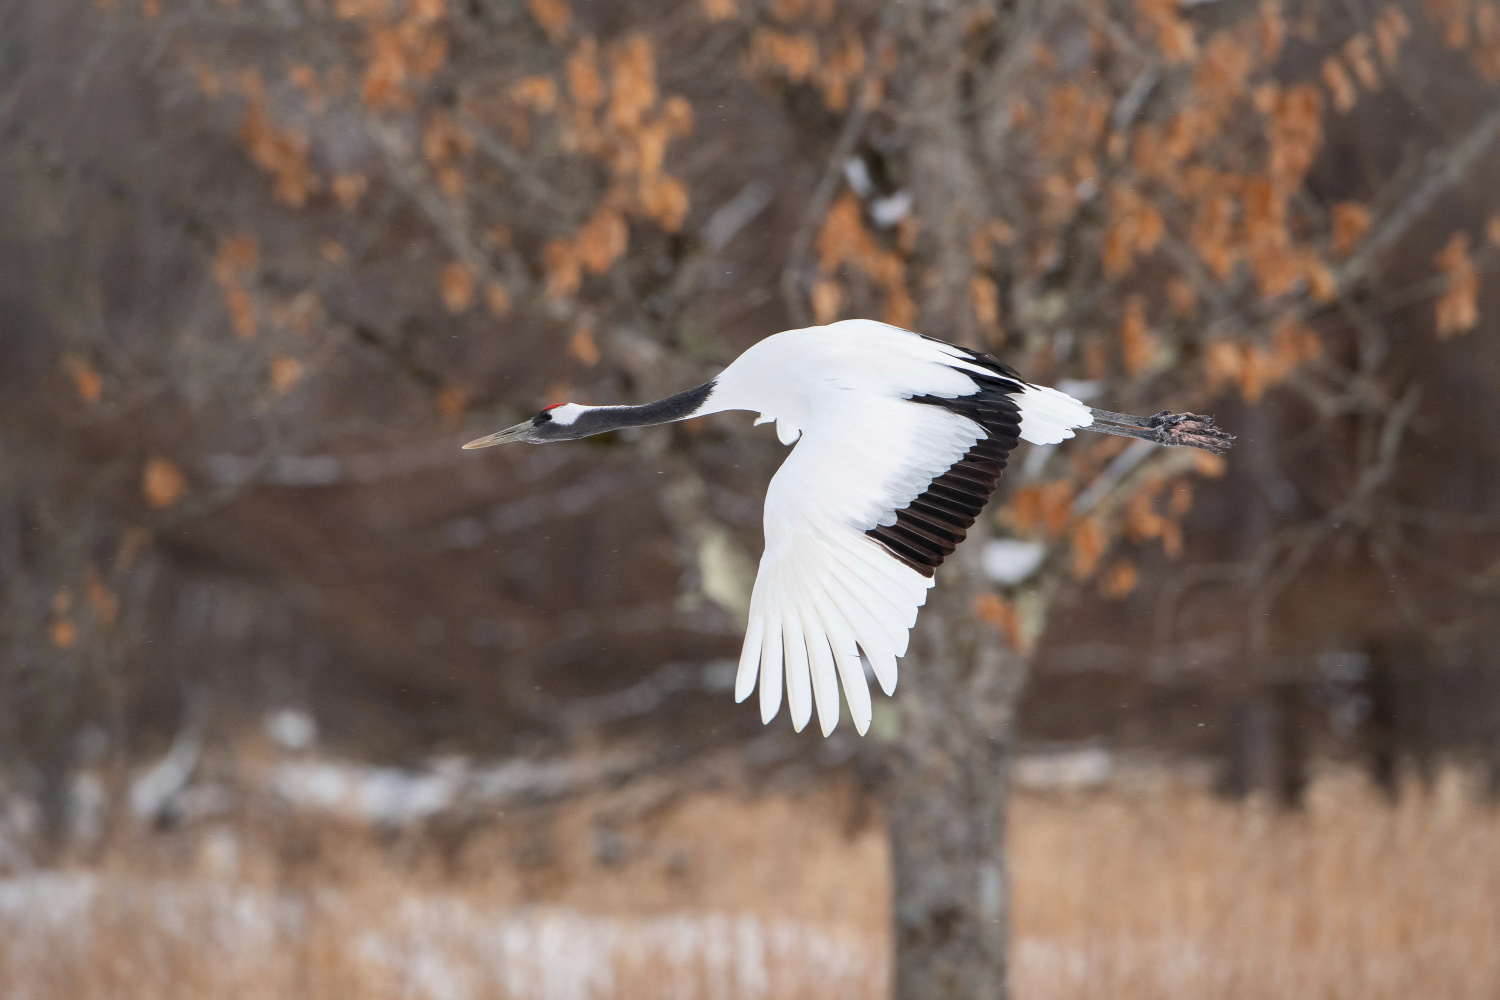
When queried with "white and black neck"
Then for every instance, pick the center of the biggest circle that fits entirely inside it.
(570, 421)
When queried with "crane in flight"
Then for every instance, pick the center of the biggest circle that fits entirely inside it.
(900, 440)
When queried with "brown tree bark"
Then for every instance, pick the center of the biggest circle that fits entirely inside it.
(945, 796)
(945, 786)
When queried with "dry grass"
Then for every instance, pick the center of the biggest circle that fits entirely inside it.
(1169, 892)
(632, 894)
(1156, 891)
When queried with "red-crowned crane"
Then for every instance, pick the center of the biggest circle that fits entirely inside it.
(900, 440)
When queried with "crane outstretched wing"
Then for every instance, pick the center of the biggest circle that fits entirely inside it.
(878, 491)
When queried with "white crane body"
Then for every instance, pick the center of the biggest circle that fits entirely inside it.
(899, 441)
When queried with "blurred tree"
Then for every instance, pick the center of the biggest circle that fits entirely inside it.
(265, 263)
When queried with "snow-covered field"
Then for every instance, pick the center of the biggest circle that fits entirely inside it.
(239, 941)
(1125, 884)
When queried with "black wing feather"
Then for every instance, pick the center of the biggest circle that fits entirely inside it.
(929, 528)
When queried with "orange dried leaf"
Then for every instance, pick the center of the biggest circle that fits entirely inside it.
(445, 139)
(564, 273)
(1486, 55)
(1182, 498)
(553, 16)
(1295, 344)
(1453, 17)
(497, 299)
(451, 402)
(452, 182)
(1025, 509)
(1171, 540)
(980, 250)
(63, 633)
(583, 348)
(237, 256)
(1089, 543)
(1294, 134)
(208, 82)
(985, 296)
(1269, 242)
(1350, 220)
(88, 383)
(632, 70)
(539, 93)
(1220, 82)
(1137, 345)
(1020, 113)
(1119, 580)
(411, 49)
(286, 372)
(601, 240)
(827, 299)
(1174, 36)
(1001, 614)
(1212, 230)
(840, 66)
(280, 153)
(1001, 232)
(1142, 522)
(1336, 78)
(793, 56)
(1320, 278)
(664, 199)
(1056, 507)
(1183, 299)
(104, 602)
(351, 10)
(1271, 28)
(1226, 362)
(1458, 308)
(899, 308)
(1357, 54)
(1391, 28)
(162, 483)
(457, 286)
(348, 189)
(1209, 465)
(788, 10)
(677, 115)
(305, 79)
(241, 309)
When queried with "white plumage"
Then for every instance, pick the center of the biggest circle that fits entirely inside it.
(898, 442)
(826, 590)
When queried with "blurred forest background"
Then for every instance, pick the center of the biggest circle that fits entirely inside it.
(298, 698)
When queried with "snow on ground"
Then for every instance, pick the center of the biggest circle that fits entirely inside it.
(441, 947)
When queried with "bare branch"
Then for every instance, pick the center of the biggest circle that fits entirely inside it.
(796, 260)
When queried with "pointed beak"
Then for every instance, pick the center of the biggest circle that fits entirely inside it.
(520, 432)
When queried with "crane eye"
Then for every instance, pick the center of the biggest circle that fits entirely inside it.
(541, 418)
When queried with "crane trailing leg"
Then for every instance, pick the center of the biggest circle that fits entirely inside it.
(1190, 430)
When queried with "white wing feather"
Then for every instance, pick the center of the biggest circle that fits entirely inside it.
(826, 592)
(822, 576)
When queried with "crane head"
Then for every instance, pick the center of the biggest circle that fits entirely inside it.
(554, 423)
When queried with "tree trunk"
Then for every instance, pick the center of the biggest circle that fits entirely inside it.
(945, 783)
(945, 796)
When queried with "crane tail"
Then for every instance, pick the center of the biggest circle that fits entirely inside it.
(1049, 416)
